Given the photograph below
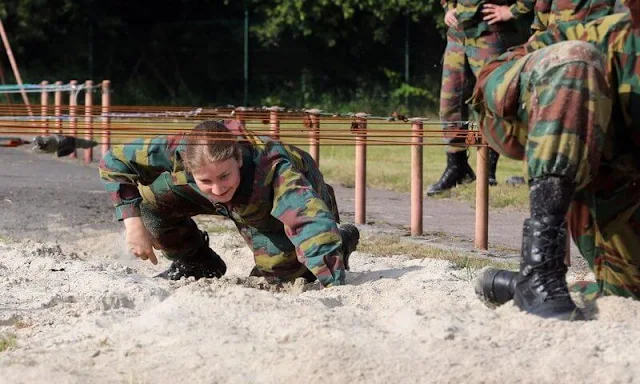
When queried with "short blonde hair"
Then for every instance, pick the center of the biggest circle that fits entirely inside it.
(208, 142)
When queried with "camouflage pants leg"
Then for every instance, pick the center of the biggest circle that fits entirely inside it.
(463, 59)
(166, 211)
(613, 257)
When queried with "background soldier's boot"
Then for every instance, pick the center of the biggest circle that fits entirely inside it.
(493, 164)
(202, 263)
(541, 287)
(457, 172)
(350, 239)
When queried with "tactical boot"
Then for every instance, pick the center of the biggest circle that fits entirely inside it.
(457, 172)
(202, 263)
(493, 164)
(350, 239)
(496, 286)
(541, 287)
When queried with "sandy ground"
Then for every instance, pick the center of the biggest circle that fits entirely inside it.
(78, 309)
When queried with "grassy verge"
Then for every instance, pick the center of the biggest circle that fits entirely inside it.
(388, 245)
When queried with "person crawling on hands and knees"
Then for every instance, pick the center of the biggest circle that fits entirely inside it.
(274, 194)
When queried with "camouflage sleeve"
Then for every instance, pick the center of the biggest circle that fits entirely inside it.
(308, 223)
(125, 166)
(541, 15)
(448, 4)
(521, 8)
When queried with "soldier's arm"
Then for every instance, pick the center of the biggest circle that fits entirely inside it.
(448, 4)
(125, 166)
(308, 223)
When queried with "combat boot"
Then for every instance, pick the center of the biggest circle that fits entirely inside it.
(350, 239)
(457, 172)
(493, 165)
(203, 263)
(541, 287)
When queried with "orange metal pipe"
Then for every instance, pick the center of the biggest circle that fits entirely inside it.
(88, 106)
(482, 198)
(106, 107)
(44, 101)
(361, 169)
(416, 179)
(73, 123)
(314, 138)
(57, 107)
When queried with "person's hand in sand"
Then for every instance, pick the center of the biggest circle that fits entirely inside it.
(139, 240)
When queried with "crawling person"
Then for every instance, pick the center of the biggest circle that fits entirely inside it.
(274, 193)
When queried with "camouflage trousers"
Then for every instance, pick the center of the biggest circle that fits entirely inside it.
(168, 207)
(464, 57)
(552, 108)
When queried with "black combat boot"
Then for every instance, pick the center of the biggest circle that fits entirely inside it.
(457, 172)
(493, 164)
(541, 287)
(202, 263)
(350, 239)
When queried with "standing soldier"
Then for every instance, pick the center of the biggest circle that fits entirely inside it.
(550, 12)
(478, 32)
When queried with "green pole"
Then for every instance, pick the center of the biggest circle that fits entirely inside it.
(246, 54)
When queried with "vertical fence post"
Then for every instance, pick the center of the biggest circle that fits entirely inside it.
(314, 134)
(274, 122)
(360, 129)
(482, 195)
(73, 122)
(416, 176)
(57, 107)
(88, 106)
(106, 108)
(44, 102)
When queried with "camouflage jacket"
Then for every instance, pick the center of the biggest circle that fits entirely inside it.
(278, 202)
(556, 11)
(469, 14)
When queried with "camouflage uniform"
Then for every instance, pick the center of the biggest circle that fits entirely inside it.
(283, 208)
(470, 45)
(569, 109)
(548, 12)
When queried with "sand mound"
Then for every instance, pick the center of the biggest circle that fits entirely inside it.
(88, 312)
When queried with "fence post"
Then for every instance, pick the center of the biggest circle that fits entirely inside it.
(417, 131)
(314, 134)
(274, 122)
(57, 106)
(73, 122)
(106, 108)
(360, 129)
(88, 106)
(482, 195)
(44, 102)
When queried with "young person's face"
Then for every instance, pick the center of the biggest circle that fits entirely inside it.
(220, 179)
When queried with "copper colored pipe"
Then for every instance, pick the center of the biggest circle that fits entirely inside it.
(88, 106)
(482, 198)
(106, 107)
(361, 171)
(416, 179)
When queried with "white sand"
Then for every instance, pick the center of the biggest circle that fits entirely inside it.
(103, 319)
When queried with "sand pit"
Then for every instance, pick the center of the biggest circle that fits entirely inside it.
(88, 312)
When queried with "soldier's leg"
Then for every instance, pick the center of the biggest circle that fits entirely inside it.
(567, 110)
(456, 80)
(613, 257)
(166, 211)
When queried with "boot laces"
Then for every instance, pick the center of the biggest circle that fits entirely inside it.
(551, 272)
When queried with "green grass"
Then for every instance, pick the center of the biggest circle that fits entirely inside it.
(7, 341)
(389, 166)
(389, 245)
